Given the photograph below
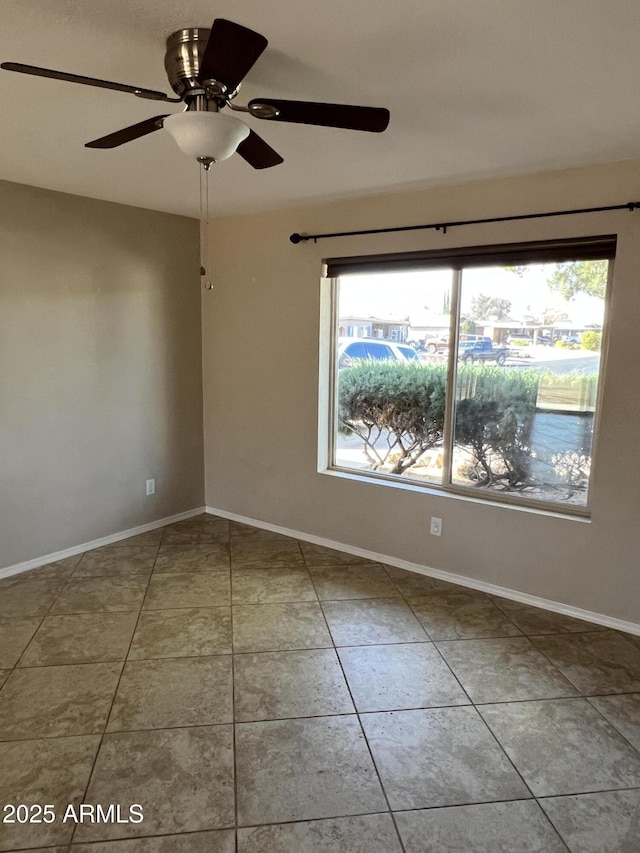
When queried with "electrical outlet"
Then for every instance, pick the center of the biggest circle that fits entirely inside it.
(151, 487)
(436, 526)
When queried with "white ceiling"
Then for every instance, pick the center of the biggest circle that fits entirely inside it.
(475, 88)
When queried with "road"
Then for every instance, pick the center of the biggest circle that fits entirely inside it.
(554, 359)
(558, 361)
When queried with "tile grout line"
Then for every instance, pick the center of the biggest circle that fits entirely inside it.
(505, 613)
(448, 706)
(587, 793)
(503, 750)
(413, 605)
(473, 705)
(115, 692)
(233, 704)
(608, 721)
(552, 825)
(449, 667)
(546, 656)
(303, 820)
(125, 731)
(509, 701)
(67, 581)
(48, 613)
(373, 762)
(21, 655)
(589, 628)
(408, 601)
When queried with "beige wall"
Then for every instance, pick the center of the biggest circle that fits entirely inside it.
(100, 369)
(260, 350)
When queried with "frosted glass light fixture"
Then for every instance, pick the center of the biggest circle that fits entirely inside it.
(206, 135)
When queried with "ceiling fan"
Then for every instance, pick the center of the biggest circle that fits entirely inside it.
(205, 69)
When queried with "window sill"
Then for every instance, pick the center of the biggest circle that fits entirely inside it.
(456, 493)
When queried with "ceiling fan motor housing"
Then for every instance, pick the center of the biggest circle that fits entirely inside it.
(183, 59)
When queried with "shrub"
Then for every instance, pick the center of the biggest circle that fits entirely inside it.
(398, 412)
(516, 388)
(591, 341)
(475, 422)
(494, 418)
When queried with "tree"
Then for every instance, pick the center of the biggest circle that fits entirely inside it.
(494, 419)
(552, 315)
(574, 277)
(483, 307)
(519, 270)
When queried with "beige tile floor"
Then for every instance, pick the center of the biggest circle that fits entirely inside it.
(262, 695)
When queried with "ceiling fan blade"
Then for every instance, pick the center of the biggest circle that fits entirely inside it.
(150, 94)
(258, 153)
(127, 134)
(373, 119)
(230, 53)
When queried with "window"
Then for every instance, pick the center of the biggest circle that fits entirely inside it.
(352, 352)
(494, 390)
(409, 353)
(379, 352)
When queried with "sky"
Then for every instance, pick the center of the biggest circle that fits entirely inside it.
(418, 294)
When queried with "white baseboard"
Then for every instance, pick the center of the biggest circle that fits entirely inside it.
(97, 543)
(460, 580)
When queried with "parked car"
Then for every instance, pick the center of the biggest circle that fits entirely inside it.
(434, 345)
(484, 350)
(352, 350)
(529, 340)
(442, 344)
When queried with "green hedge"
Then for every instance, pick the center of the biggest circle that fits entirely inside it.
(496, 409)
(398, 411)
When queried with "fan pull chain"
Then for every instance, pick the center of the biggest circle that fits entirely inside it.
(205, 254)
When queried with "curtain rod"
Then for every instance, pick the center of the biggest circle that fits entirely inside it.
(443, 226)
